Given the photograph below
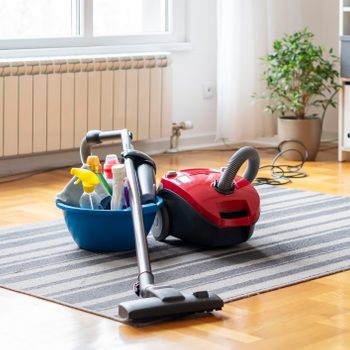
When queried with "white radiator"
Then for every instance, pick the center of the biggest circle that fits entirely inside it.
(49, 105)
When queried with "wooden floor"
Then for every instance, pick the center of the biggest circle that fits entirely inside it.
(311, 315)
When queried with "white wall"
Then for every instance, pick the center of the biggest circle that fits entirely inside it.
(192, 68)
(322, 18)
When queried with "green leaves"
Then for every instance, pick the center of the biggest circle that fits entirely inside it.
(299, 75)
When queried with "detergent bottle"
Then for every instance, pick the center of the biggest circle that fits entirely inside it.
(110, 160)
(89, 199)
(94, 163)
(118, 171)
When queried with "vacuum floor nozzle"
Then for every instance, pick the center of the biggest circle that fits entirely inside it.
(153, 308)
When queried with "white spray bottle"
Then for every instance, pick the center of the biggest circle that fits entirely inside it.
(89, 199)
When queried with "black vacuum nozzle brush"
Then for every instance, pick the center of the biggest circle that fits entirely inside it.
(154, 308)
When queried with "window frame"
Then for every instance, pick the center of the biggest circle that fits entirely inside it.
(176, 37)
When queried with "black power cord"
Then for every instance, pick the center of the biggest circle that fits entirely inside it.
(281, 174)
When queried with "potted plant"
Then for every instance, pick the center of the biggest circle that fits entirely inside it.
(301, 83)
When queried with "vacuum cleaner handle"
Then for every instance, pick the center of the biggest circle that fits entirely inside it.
(144, 164)
(94, 137)
(225, 184)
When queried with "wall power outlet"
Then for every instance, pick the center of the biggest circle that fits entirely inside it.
(208, 89)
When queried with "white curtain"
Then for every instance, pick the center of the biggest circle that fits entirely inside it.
(246, 30)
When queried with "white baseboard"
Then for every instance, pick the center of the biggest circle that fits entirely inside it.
(199, 141)
(51, 160)
(272, 141)
(329, 136)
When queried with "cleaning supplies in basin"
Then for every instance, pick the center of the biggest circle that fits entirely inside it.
(89, 199)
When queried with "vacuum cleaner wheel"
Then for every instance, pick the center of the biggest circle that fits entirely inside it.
(160, 227)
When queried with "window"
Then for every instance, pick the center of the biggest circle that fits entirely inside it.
(56, 24)
(35, 19)
(120, 17)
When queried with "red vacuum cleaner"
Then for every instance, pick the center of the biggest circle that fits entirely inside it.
(209, 207)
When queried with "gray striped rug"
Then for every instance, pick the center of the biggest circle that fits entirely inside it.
(300, 236)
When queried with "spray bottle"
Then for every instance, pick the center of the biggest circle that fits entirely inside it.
(89, 199)
(94, 163)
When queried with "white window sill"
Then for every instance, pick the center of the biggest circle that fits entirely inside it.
(96, 50)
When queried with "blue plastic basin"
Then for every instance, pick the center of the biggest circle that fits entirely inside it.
(106, 230)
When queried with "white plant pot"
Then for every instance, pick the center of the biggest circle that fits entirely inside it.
(305, 131)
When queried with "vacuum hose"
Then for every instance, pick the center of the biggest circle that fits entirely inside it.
(225, 183)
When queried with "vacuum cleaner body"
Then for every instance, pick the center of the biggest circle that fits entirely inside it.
(200, 214)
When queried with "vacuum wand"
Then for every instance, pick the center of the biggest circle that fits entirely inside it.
(158, 302)
(145, 272)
